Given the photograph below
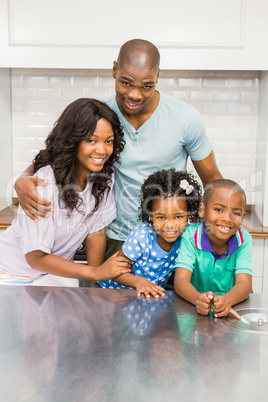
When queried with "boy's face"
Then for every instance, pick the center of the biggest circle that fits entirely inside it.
(169, 218)
(223, 214)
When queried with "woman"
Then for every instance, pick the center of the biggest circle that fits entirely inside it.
(77, 163)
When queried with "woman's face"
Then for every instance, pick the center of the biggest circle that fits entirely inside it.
(96, 150)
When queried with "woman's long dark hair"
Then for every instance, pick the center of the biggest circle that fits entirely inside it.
(78, 123)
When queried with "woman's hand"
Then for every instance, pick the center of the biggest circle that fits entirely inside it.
(148, 288)
(111, 268)
(32, 204)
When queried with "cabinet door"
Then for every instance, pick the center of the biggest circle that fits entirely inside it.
(192, 34)
(265, 267)
(257, 264)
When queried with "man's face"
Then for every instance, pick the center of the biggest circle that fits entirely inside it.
(134, 89)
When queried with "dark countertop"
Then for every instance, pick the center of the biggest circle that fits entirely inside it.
(107, 345)
(251, 221)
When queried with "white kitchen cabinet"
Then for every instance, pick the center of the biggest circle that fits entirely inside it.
(193, 34)
(53, 280)
(258, 247)
(265, 267)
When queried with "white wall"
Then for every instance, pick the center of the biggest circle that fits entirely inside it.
(5, 139)
(261, 198)
(227, 100)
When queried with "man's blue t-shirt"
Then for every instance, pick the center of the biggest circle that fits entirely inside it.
(174, 131)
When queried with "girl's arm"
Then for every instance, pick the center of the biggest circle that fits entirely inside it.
(55, 265)
(187, 291)
(142, 285)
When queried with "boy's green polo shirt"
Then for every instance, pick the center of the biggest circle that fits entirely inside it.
(211, 271)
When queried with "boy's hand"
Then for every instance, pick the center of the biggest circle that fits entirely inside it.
(112, 268)
(32, 204)
(204, 302)
(148, 288)
(223, 307)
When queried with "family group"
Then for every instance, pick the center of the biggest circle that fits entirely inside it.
(114, 175)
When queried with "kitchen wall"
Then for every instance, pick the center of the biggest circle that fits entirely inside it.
(261, 193)
(227, 101)
(5, 139)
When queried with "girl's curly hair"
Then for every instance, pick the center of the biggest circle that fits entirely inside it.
(166, 183)
(76, 124)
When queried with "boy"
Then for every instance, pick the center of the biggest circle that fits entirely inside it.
(213, 268)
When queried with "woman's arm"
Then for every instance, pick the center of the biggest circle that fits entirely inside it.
(55, 265)
(142, 285)
(32, 204)
(95, 247)
(95, 244)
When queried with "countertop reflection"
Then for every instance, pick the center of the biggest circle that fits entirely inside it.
(80, 344)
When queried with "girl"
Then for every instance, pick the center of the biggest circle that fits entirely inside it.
(169, 199)
(78, 165)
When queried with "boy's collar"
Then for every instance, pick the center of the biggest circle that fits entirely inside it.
(202, 242)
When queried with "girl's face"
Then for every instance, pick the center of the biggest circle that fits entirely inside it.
(96, 150)
(169, 218)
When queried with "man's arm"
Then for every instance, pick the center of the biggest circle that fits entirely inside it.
(207, 169)
(32, 204)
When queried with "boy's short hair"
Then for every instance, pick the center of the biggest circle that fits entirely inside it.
(221, 183)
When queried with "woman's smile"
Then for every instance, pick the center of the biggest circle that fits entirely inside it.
(96, 150)
(99, 161)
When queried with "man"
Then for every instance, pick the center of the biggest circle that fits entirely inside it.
(160, 132)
